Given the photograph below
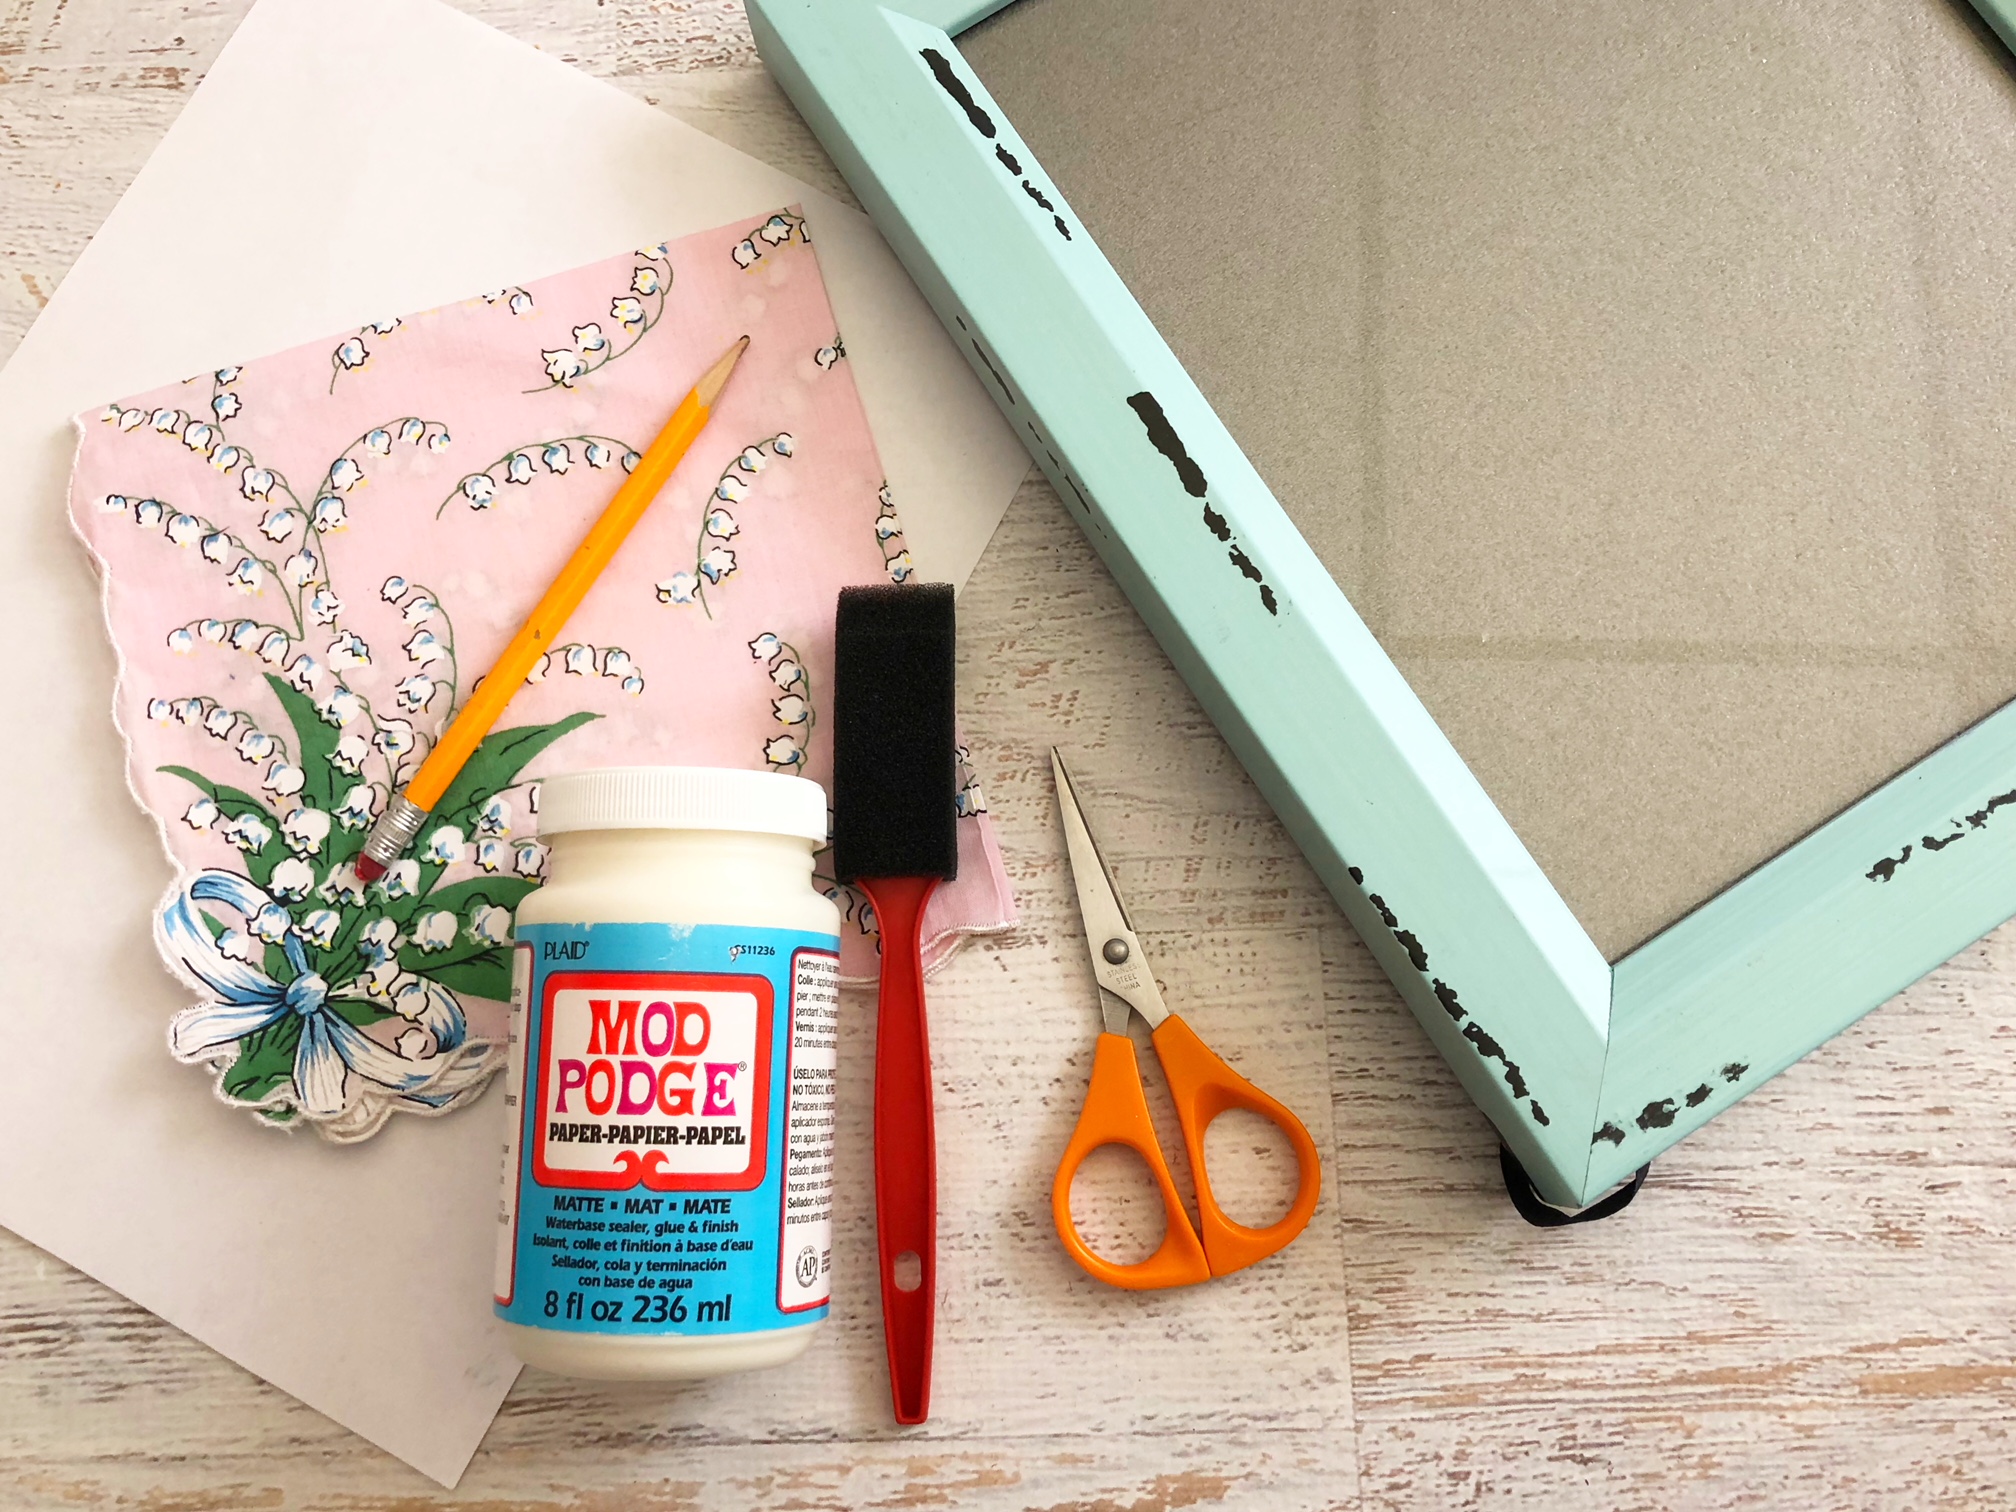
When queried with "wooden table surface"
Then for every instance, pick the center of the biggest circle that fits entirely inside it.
(1810, 1306)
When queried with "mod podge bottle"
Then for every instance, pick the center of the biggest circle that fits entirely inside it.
(667, 1183)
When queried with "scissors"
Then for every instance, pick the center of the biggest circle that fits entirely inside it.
(1116, 1107)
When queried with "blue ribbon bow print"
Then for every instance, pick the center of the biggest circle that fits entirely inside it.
(248, 1000)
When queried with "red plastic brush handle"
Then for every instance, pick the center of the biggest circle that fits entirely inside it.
(906, 1148)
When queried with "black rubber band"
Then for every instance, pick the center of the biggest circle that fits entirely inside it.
(1543, 1214)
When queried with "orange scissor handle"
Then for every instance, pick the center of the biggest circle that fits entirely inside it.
(1116, 1113)
(1203, 1086)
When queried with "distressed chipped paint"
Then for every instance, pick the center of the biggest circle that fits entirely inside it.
(1574, 1062)
(1290, 673)
(1696, 1353)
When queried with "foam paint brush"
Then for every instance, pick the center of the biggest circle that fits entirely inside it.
(895, 838)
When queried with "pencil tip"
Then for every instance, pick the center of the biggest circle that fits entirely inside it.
(716, 378)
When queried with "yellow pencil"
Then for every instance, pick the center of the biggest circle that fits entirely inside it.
(403, 816)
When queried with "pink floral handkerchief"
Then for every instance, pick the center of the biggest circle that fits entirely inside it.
(309, 559)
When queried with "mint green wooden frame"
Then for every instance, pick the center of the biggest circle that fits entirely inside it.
(1587, 1070)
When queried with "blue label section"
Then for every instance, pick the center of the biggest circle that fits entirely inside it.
(669, 1166)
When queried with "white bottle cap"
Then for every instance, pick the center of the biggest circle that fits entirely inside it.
(683, 798)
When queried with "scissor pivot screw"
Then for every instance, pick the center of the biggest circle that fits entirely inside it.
(1115, 951)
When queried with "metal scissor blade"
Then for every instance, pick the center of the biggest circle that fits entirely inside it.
(1118, 962)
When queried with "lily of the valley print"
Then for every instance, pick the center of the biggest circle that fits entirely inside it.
(309, 560)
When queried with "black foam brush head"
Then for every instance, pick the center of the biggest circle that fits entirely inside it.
(895, 760)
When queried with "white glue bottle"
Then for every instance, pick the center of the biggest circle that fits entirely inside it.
(668, 1160)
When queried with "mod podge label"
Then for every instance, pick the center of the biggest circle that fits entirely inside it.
(668, 1163)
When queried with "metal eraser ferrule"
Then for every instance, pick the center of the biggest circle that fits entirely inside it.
(397, 828)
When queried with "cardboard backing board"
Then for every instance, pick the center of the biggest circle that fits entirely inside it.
(1641, 374)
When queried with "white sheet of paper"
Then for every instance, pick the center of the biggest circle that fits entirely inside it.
(345, 160)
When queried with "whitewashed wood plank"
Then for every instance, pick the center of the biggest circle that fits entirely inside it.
(1807, 1308)
(1266, 1472)
(1804, 1308)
